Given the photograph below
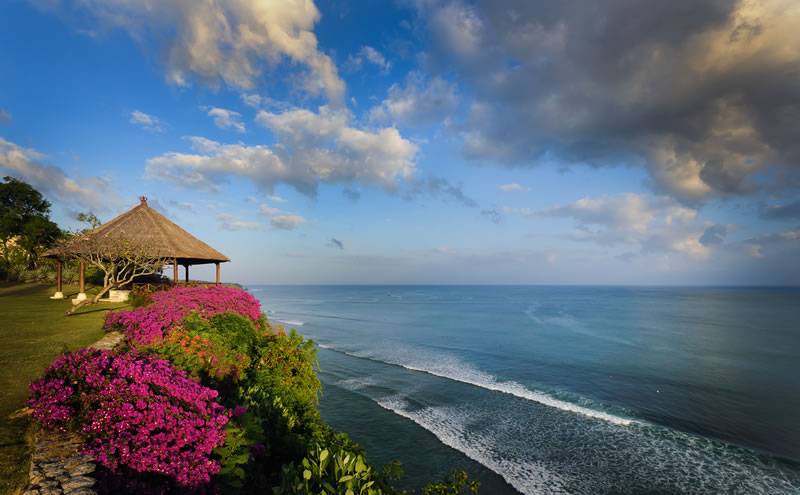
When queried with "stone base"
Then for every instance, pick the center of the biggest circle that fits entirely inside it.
(118, 295)
(79, 298)
(57, 295)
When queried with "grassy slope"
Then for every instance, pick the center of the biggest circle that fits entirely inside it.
(33, 331)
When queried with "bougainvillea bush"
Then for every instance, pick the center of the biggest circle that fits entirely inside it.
(218, 350)
(135, 412)
(151, 323)
(207, 391)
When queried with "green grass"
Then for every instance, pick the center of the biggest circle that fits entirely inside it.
(33, 331)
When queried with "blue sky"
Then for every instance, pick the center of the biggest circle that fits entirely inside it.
(422, 141)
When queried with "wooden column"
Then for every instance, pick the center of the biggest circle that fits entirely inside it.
(82, 278)
(187, 272)
(175, 271)
(217, 263)
(59, 276)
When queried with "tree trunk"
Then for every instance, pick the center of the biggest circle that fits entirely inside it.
(88, 301)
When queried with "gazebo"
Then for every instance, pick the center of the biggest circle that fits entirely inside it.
(145, 225)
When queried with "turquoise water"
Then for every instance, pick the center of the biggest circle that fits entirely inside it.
(563, 389)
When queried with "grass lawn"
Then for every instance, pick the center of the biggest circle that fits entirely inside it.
(33, 331)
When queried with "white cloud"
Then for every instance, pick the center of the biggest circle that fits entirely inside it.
(418, 102)
(26, 164)
(632, 218)
(312, 148)
(226, 40)
(226, 119)
(655, 224)
(251, 99)
(277, 199)
(513, 187)
(280, 219)
(146, 121)
(232, 223)
(707, 106)
(459, 28)
(371, 55)
(287, 222)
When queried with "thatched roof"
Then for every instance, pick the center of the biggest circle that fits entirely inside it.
(145, 225)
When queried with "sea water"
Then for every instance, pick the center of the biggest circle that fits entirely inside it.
(580, 390)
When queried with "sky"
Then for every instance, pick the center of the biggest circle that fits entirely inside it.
(423, 141)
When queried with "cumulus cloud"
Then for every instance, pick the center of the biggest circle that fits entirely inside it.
(513, 187)
(232, 223)
(312, 148)
(146, 121)
(5, 116)
(655, 224)
(280, 219)
(371, 55)
(230, 41)
(26, 164)
(782, 246)
(287, 222)
(705, 95)
(419, 101)
(226, 119)
(336, 243)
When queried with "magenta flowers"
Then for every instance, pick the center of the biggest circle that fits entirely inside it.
(135, 411)
(151, 323)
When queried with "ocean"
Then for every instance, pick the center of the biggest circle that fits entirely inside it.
(580, 390)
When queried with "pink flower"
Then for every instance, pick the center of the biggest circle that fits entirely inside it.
(151, 323)
(135, 411)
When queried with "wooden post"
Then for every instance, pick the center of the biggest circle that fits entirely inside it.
(187, 272)
(59, 276)
(59, 281)
(175, 271)
(217, 263)
(82, 278)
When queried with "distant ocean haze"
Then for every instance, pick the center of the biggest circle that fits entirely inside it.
(563, 389)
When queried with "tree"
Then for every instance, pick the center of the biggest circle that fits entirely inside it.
(89, 218)
(120, 259)
(38, 233)
(24, 221)
(19, 203)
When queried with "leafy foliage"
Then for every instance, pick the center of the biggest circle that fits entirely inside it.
(25, 229)
(456, 483)
(270, 438)
(337, 472)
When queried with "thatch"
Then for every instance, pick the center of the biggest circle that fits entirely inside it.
(145, 226)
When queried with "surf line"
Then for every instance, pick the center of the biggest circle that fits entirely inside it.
(510, 388)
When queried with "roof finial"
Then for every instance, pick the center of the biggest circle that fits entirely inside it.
(143, 200)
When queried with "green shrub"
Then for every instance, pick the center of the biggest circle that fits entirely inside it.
(323, 471)
(218, 350)
(456, 483)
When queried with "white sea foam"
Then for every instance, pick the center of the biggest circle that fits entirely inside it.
(451, 427)
(292, 323)
(357, 383)
(452, 368)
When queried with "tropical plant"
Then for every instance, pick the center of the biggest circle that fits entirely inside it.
(151, 323)
(25, 228)
(323, 471)
(136, 412)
